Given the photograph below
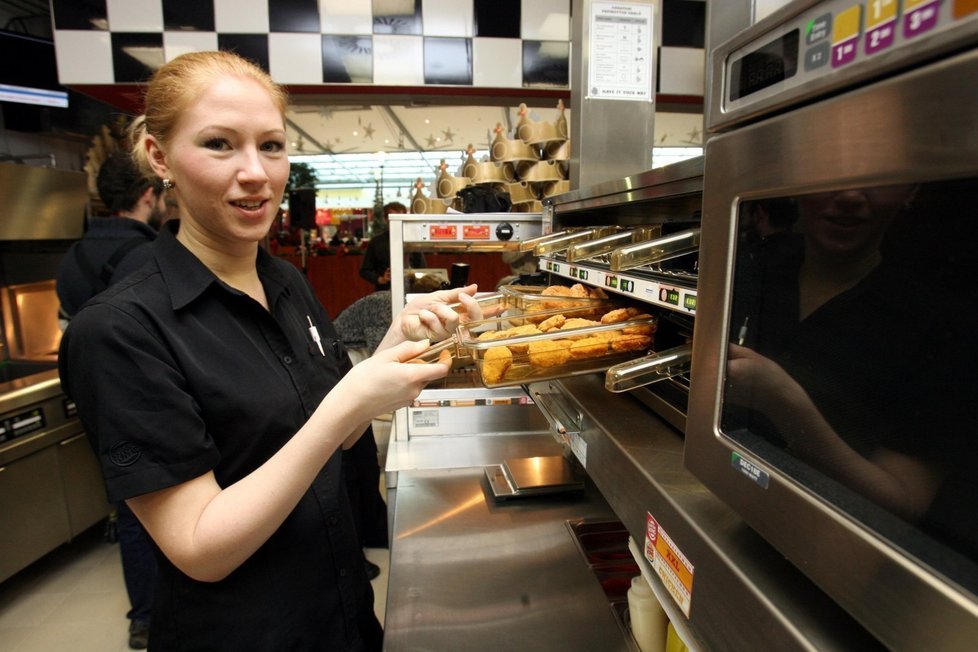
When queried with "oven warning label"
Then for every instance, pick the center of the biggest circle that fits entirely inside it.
(424, 418)
(669, 563)
(751, 470)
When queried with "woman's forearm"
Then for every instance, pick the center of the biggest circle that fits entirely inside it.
(899, 483)
(208, 531)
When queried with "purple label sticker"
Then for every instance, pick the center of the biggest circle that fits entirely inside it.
(880, 38)
(843, 53)
(919, 20)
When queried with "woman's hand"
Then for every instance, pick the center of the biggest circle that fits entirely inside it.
(383, 383)
(751, 375)
(431, 317)
(902, 483)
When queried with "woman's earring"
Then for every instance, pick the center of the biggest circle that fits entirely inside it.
(167, 184)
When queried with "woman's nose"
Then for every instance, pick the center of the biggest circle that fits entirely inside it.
(252, 169)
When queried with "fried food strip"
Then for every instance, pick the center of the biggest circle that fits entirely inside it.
(588, 347)
(552, 323)
(495, 364)
(525, 329)
(491, 335)
(631, 343)
(549, 353)
(615, 316)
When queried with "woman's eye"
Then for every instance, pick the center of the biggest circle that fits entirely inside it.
(218, 144)
(273, 146)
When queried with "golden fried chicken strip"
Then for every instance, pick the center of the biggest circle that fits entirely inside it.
(495, 364)
(549, 353)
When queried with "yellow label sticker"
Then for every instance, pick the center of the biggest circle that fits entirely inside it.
(669, 563)
(846, 25)
(880, 11)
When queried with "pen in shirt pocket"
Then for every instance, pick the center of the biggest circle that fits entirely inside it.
(314, 334)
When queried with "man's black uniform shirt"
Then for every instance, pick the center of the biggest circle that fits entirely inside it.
(104, 237)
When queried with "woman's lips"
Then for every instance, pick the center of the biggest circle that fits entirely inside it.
(253, 208)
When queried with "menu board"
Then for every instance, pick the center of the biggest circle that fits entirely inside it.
(620, 51)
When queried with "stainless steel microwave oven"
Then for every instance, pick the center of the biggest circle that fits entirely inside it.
(835, 358)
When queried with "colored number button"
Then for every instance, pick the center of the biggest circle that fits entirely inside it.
(879, 12)
(964, 7)
(817, 56)
(845, 35)
(879, 38)
(919, 20)
(669, 296)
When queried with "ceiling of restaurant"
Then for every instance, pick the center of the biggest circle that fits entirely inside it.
(355, 146)
(420, 125)
(331, 129)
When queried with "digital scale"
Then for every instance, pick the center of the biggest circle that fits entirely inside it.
(534, 476)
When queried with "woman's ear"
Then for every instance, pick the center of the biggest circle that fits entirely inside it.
(156, 157)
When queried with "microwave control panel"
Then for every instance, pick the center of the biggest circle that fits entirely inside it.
(834, 42)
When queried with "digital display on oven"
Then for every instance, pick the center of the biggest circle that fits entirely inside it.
(765, 66)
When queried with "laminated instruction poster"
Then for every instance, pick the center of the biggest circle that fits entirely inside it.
(620, 51)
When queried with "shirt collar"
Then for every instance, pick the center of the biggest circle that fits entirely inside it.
(119, 223)
(187, 278)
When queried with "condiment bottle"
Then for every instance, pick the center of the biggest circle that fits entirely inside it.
(649, 621)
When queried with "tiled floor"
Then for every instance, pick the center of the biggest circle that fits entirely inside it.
(75, 599)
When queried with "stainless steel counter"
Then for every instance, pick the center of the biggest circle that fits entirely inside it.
(469, 574)
(448, 452)
(745, 595)
(51, 486)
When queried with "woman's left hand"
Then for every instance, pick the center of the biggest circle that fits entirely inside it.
(431, 316)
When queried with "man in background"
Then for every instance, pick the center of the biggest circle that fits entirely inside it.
(376, 265)
(112, 248)
(115, 246)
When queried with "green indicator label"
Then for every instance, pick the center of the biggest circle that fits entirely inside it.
(573, 272)
(809, 26)
(749, 469)
(611, 281)
(689, 302)
(672, 296)
(627, 286)
(582, 275)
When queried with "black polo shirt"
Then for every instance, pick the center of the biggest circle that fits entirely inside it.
(175, 373)
(104, 237)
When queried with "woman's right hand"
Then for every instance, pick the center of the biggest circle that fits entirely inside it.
(383, 383)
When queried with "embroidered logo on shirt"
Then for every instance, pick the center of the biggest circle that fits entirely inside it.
(125, 453)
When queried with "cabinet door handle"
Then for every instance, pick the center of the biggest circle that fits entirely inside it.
(65, 442)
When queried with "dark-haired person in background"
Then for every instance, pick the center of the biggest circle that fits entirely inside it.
(112, 248)
(115, 246)
(376, 265)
